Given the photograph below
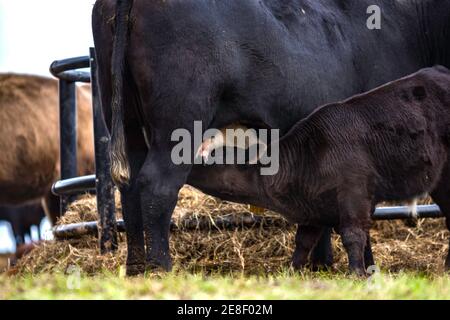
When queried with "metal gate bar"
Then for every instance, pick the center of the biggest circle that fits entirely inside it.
(71, 185)
(79, 230)
(68, 136)
(104, 185)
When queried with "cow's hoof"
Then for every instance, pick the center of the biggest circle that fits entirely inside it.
(135, 270)
(157, 266)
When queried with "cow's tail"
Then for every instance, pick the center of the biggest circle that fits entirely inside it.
(120, 169)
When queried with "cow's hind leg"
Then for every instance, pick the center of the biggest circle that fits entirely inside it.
(305, 240)
(171, 102)
(159, 183)
(132, 214)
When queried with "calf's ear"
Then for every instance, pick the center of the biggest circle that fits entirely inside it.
(419, 93)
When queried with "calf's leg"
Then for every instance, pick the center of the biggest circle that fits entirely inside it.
(354, 208)
(368, 255)
(354, 238)
(441, 195)
(322, 255)
(305, 240)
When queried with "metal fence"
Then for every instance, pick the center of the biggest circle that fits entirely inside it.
(68, 73)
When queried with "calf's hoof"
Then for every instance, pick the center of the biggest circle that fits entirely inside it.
(298, 266)
(321, 263)
(358, 272)
(320, 267)
(135, 270)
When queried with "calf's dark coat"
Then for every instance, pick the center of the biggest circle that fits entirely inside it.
(390, 144)
(164, 64)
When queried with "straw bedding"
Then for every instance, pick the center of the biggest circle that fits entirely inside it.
(261, 250)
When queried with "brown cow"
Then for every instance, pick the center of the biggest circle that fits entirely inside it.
(29, 139)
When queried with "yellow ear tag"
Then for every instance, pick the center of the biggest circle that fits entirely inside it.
(256, 210)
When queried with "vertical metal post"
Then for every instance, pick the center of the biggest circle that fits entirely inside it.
(105, 188)
(68, 135)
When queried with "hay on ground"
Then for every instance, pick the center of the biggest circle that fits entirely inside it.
(261, 250)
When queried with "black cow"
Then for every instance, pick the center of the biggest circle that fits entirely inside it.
(22, 218)
(164, 64)
(390, 144)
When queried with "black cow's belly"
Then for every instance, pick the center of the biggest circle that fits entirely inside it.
(303, 65)
(270, 62)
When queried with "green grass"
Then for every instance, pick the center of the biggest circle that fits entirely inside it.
(182, 286)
